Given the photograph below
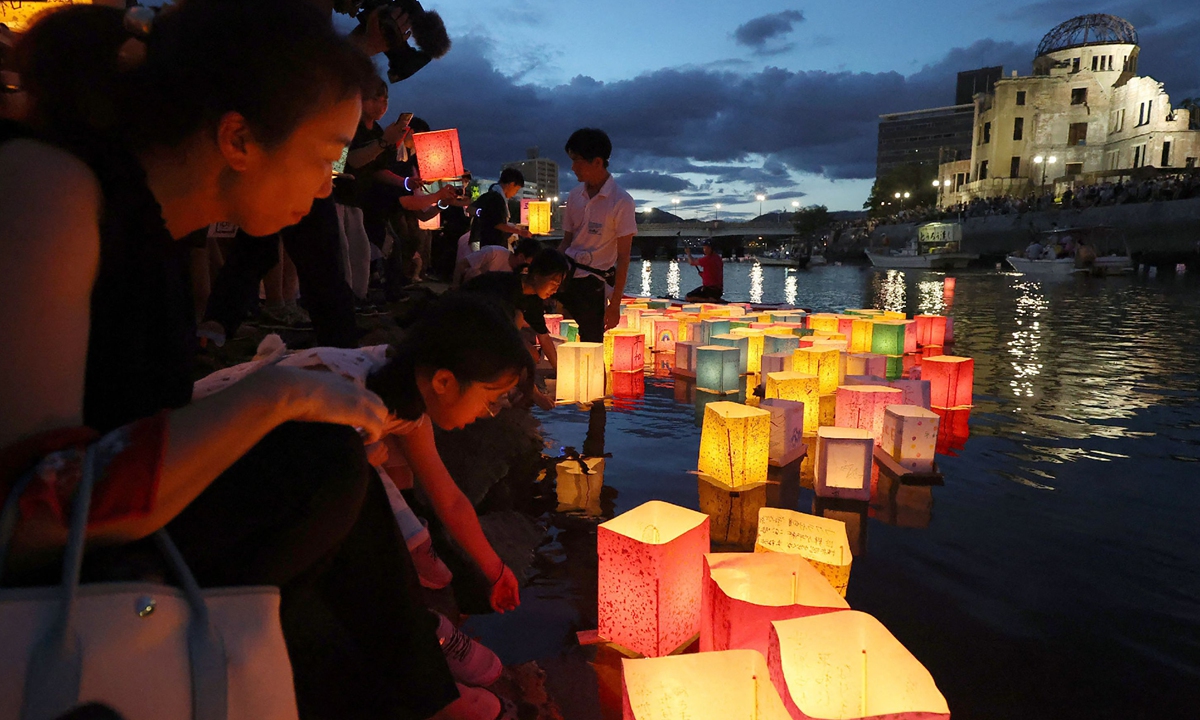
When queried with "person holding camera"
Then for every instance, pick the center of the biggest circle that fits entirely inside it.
(598, 229)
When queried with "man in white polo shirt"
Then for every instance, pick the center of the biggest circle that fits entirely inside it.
(598, 229)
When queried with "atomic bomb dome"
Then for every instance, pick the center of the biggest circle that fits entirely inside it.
(1086, 30)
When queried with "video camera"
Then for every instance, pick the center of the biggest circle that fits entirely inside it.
(428, 31)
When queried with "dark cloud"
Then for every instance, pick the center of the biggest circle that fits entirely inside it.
(757, 33)
(653, 181)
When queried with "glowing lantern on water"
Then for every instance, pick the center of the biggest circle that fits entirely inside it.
(659, 304)
(864, 406)
(948, 284)
(728, 685)
(845, 325)
(717, 368)
(847, 665)
(441, 157)
(800, 387)
(570, 330)
(951, 380)
(629, 385)
(735, 444)
(910, 337)
(624, 350)
(651, 577)
(665, 332)
(741, 343)
(776, 362)
(823, 322)
(787, 430)
(633, 316)
(553, 323)
(580, 372)
(732, 513)
(685, 357)
(866, 364)
(820, 541)
(711, 327)
(744, 592)
(827, 410)
(692, 308)
(912, 392)
(539, 217)
(736, 311)
(910, 436)
(780, 343)
(689, 327)
(756, 340)
(887, 337)
(825, 363)
(861, 330)
(579, 485)
(843, 465)
(931, 351)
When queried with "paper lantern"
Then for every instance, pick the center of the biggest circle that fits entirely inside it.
(951, 380)
(646, 323)
(847, 665)
(887, 337)
(780, 343)
(553, 322)
(735, 310)
(787, 430)
(910, 435)
(711, 327)
(827, 410)
(570, 330)
(685, 357)
(910, 337)
(735, 444)
(843, 464)
(912, 392)
(579, 483)
(717, 368)
(741, 343)
(949, 330)
(658, 304)
(624, 351)
(931, 351)
(802, 333)
(633, 317)
(703, 398)
(853, 514)
(440, 155)
(580, 372)
(755, 348)
(664, 333)
(776, 362)
(539, 217)
(729, 685)
(628, 385)
(820, 541)
(651, 577)
(825, 363)
(732, 513)
(861, 332)
(800, 387)
(948, 284)
(692, 308)
(864, 406)
(663, 365)
(739, 325)
(745, 592)
(953, 430)
(866, 364)
(823, 322)
(433, 223)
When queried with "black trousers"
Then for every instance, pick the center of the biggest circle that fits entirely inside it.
(584, 299)
(707, 292)
(314, 247)
(304, 511)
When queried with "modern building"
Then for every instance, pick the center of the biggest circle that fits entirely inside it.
(1083, 116)
(924, 137)
(541, 174)
(973, 82)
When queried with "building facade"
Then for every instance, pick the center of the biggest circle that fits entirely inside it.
(924, 137)
(541, 175)
(1083, 116)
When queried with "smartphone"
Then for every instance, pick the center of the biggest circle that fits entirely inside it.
(404, 119)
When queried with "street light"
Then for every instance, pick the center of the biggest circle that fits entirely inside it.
(675, 206)
(796, 204)
(760, 197)
(937, 183)
(718, 206)
(1045, 163)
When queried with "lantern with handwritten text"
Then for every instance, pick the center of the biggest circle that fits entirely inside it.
(826, 364)
(820, 541)
(843, 465)
(951, 380)
(717, 368)
(624, 350)
(863, 406)
(651, 577)
(787, 430)
(441, 157)
(745, 592)
(735, 444)
(727, 685)
(539, 217)
(580, 372)
(847, 665)
(801, 387)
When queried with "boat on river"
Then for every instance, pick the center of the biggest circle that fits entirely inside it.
(936, 247)
(1103, 239)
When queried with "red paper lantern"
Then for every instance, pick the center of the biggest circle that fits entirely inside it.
(439, 155)
(629, 353)
(951, 380)
(931, 330)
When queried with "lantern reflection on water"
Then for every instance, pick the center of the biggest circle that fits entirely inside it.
(847, 665)
(580, 372)
(579, 482)
(951, 380)
(717, 368)
(727, 685)
(744, 592)
(953, 430)
(734, 444)
(732, 513)
(628, 385)
(843, 463)
(820, 541)
(651, 577)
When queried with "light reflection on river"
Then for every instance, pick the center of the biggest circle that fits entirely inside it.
(1054, 575)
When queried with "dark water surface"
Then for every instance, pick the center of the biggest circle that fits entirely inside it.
(1056, 574)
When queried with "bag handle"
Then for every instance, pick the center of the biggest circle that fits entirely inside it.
(54, 671)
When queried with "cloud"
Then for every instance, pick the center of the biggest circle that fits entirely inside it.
(653, 181)
(757, 33)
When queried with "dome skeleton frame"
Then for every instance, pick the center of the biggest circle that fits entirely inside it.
(1098, 29)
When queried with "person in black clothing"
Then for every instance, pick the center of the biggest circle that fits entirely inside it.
(491, 224)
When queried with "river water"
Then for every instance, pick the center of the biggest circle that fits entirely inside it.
(1055, 574)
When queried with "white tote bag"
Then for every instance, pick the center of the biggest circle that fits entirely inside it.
(148, 651)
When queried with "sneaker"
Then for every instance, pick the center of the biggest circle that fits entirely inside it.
(296, 317)
(431, 571)
(470, 663)
(274, 318)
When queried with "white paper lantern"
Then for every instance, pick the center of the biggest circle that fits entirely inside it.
(910, 436)
(843, 464)
(729, 685)
(580, 372)
(787, 430)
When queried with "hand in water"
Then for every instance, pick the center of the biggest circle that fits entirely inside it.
(506, 593)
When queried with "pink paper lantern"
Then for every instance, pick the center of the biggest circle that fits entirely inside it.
(553, 323)
(863, 406)
(440, 154)
(651, 577)
(665, 334)
(744, 592)
(951, 380)
(910, 336)
(629, 353)
(931, 329)
(685, 357)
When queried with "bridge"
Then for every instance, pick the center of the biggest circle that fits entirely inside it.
(654, 238)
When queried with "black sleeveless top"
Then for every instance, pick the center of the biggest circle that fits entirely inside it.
(142, 336)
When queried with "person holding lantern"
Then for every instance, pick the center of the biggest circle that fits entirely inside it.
(491, 224)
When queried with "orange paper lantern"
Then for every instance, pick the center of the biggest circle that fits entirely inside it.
(439, 154)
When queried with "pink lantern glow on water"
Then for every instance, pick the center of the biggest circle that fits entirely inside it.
(651, 577)
(951, 380)
(863, 406)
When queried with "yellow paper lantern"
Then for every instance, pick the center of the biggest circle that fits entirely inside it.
(651, 577)
(823, 322)
(755, 349)
(843, 466)
(847, 665)
(729, 685)
(825, 363)
(745, 592)
(580, 372)
(801, 387)
(860, 335)
(19, 16)
(688, 326)
(539, 218)
(579, 483)
(866, 363)
(894, 315)
(820, 541)
(735, 444)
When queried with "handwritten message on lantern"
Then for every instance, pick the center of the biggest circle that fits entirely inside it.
(821, 541)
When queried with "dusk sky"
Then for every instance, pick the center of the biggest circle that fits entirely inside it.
(714, 101)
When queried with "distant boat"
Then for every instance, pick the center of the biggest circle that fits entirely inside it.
(1100, 237)
(792, 262)
(936, 248)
